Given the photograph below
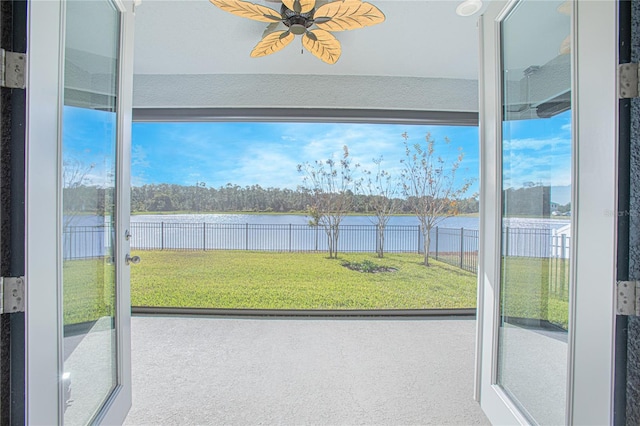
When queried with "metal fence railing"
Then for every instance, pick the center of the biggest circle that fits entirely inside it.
(85, 242)
(458, 247)
(455, 246)
(286, 237)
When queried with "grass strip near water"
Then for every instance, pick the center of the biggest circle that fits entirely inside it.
(267, 280)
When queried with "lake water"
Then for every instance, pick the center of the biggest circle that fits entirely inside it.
(280, 219)
(457, 222)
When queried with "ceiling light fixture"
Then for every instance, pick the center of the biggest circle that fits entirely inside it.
(469, 7)
(298, 16)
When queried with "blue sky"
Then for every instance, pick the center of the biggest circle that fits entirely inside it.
(537, 151)
(267, 153)
(89, 143)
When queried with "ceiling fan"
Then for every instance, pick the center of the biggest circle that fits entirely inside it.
(300, 15)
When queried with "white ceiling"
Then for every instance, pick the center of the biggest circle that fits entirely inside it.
(417, 39)
(189, 53)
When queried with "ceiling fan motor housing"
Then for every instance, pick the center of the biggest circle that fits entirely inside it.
(297, 22)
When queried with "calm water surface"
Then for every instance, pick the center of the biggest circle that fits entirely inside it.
(277, 219)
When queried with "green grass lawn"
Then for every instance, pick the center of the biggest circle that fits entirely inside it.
(88, 290)
(265, 280)
(536, 289)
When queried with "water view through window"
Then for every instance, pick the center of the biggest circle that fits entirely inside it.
(305, 215)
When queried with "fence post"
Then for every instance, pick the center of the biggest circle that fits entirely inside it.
(204, 236)
(246, 236)
(506, 241)
(161, 235)
(461, 248)
(437, 243)
(289, 238)
(563, 264)
(418, 227)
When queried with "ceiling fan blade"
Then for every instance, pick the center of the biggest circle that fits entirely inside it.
(323, 45)
(272, 43)
(300, 6)
(248, 10)
(347, 15)
(271, 28)
(565, 8)
(565, 46)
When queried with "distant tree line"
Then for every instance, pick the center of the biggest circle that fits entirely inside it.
(234, 198)
(87, 199)
(531, 201)
(230, 198)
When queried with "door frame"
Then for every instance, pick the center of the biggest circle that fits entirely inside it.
(43, 209)
(590, 373)
(593, 311)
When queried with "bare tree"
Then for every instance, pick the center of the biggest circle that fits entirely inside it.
(330, 186)
(381, 190)
(429, 183)
(75, 178)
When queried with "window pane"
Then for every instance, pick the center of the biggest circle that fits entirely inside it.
(281, 216)
(536, 220)
(89, 161)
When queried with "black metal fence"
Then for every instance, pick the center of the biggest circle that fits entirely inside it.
(455, 246)
(86, 242)
(534, 242)
(261, 237)
(458, 247)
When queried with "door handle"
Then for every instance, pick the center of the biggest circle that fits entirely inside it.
(131, 259)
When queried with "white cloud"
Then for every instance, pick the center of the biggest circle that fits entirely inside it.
(549, 169)
(266, 168)
(539, 160)
(537, 144)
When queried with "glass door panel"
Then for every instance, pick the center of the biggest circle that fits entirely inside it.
(536, 208)
(541, 89)
(89, 155)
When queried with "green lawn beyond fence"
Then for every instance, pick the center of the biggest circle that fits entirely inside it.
(267, 280)
(536, 288)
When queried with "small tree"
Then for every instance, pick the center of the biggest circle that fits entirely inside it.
(428, 182)
(381, 190)
(330, 187)
(76, 192)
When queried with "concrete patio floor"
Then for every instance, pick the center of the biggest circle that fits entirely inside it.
(321, 371)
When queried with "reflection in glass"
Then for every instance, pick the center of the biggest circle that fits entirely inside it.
(88, 179)
(536, 217)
